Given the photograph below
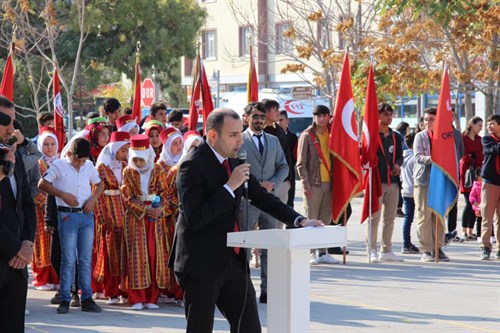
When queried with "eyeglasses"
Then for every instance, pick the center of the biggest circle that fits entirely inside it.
(259, 116)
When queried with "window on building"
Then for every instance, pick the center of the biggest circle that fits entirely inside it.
(245, 33)
(283, 44)
(188, 66)
(209, 44)
(323, 34)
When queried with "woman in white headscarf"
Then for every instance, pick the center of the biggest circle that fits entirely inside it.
(171, 152)
(110, 216)
(191, 139)
(44, 274)
(145, 257)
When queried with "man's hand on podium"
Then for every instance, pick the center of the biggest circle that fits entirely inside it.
(311, 223)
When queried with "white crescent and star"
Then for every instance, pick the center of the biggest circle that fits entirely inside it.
(347, 112)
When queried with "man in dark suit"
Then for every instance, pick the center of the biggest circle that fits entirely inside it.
(210, 183)
(292, 139)
(17, 229)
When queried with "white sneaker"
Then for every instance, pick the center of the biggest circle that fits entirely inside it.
(113, 301)
(479, 239)
(373, 256)
(389, 256)
(45, 287)
(123, 300)
(151, 306)
(27, 312)
(98, 296)
(137, 306)
(493, 240)
(314, 259)
(169, 300)
(327, 259)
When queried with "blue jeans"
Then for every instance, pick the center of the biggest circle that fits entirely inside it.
(76, 232)
(409, 210)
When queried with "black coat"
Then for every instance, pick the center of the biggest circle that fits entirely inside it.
(17, 216)
(208, 212)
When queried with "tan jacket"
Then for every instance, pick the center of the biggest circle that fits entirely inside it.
(308, 159)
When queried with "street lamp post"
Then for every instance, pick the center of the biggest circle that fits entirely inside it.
(153, 76)
(216, 77)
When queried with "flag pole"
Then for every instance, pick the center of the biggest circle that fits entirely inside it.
(370, 184)
(436, 246)
(344, 222)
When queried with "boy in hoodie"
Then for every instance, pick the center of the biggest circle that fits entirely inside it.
(407, 193)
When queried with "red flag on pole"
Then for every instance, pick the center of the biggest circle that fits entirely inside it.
(7, 87)
(136, 109)
(344, 146)
(59, 111)
(370, 143)
(206, 95)
(196, 102)
(252, 84)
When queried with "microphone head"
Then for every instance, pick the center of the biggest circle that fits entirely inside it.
(242, 155)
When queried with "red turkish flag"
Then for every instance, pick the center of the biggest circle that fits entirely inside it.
(344, 146)
(206, 95)
(7, 87)
(59, 111)
(252, 84)
(370, 143)
(136, 108)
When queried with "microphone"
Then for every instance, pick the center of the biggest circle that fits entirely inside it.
(242, 157)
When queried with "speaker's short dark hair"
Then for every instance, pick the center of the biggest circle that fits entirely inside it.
(384, 107)
(216, 118)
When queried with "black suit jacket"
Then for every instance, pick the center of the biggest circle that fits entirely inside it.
(18, 221)
(208, 212)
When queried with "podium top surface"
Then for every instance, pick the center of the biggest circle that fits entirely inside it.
(302, 238)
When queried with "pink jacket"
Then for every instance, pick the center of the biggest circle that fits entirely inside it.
(475, 195)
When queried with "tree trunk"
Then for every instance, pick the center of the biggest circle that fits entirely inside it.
(469, 111)
(489, 94)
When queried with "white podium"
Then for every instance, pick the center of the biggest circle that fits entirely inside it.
(288, 277)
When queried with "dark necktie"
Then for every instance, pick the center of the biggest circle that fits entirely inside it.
(261, 145)
(225, 164)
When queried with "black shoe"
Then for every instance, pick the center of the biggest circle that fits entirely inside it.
(75, 301)
(449, 237)
(56, 299)
(442, 256)
(63, 307)
(263, 298)
(89, 306)
(336, 250)
(400, 212)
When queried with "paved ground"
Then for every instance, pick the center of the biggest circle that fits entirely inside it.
(461, 296)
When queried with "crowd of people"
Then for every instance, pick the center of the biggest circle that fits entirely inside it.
(105, 217)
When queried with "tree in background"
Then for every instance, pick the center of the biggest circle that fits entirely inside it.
(93, 42)
(422, 34)
(313, 36)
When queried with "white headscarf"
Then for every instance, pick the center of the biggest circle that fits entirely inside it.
(166, 153)
(149, 156)
(189, 141)
(39, 143)
(128, 127)
(108, 158)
